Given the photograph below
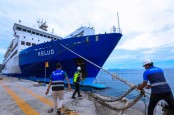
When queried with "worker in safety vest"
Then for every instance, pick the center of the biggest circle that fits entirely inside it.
(57, 82)
(76, 79)
(160, 89)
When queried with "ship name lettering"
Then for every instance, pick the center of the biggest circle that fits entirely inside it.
(46, 52)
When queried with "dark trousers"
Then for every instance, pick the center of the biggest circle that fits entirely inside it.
(77, 90)
(155, 98)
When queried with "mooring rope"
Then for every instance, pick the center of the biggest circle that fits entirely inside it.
(114, 76)
(118, 98)
(103, 102)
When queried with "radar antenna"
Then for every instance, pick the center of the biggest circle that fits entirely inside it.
(42, 25)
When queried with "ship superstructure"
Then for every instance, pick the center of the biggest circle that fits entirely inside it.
(24, 37)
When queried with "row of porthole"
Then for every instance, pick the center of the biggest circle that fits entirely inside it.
(38, 39)
(32, 32)
(87, 40)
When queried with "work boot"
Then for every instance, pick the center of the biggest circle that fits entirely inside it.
(73, 97)
(50, 110)
(58, 111)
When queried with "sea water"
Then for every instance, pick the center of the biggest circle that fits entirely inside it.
(116, 88)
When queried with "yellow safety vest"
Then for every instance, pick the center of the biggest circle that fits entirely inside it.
(76, 75)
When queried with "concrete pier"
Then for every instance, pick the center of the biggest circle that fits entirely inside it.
(20, 97)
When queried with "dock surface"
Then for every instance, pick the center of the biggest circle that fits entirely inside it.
(20, 97)
(23, 97)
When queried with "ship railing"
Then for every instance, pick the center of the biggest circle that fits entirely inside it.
(115, 30)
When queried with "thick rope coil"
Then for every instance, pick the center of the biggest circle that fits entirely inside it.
(105, 103)
(116, 99)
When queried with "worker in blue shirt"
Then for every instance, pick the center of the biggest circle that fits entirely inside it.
(57, 82)
(159, 86)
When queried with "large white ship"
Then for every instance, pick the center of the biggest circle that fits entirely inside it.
(31, 48)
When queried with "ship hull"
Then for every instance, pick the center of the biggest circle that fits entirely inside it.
(95, 49)
(12, 67)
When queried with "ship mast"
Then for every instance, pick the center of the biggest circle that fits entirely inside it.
(119, 29)
(118, 20)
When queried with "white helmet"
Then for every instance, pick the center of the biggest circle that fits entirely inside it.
(147, 61)
(78, 68)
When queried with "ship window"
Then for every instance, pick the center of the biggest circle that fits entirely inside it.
(28, 43)
(22, 43)
(33, 44)
(24, 30)
(18, 28)
(29, 31)
(37, 33)
(41, 34)
(48, 36)
(45, 36)
(33, 32)
(32, 38)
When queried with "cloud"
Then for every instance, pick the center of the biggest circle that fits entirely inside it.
(2, 51)
(148, 40)
(125, 58)
(147, 25)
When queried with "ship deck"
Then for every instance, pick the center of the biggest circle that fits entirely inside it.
(19, 97)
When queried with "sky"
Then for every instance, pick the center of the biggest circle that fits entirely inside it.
(147, 26)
